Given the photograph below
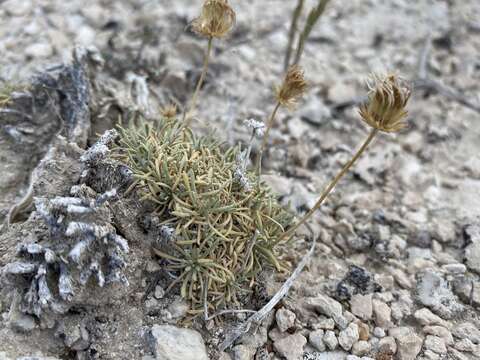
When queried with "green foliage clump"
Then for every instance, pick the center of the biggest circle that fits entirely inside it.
(216, 232)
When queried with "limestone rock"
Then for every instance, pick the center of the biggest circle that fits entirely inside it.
(330, 340)
(348, 337)
(173, 343)
(435, 344)
(382, 313)
(327, 306)
(361, 306)
(291, 347)
(285, 319)
(409, 344)
(315, 338)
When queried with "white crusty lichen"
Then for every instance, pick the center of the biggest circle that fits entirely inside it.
(100, 149)
(82, 246)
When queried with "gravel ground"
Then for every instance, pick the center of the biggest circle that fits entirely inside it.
(396, 273)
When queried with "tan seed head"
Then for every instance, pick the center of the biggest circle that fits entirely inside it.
(293, 87)
(169, 111)
(385, 109)
(216, 20)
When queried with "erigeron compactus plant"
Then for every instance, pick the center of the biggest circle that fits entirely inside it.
(219, 224)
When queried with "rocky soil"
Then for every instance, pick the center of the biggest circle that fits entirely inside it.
(396, 271)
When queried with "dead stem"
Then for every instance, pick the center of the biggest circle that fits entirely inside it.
(270, 122)
(312, 19)
(291, 35)
(187, 116)
(331, 186)
(261, 314)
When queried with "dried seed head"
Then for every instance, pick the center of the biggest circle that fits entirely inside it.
(293, 87)
(385, 109)
(216, 20)
(169, 111)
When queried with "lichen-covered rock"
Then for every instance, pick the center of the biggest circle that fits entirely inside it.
(433, 291)
(80, 243)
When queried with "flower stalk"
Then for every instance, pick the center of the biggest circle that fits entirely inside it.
(290, 232)
(188, 114)
(270, 122)
(385, 111)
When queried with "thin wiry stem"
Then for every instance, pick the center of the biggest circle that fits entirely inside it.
(261, 314)
(287, 234)
(187, 116)
(312, 19)
(270, 122)
(291, 35)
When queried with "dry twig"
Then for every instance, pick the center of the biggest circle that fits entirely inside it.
(261, 314)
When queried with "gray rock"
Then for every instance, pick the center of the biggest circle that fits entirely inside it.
(472, 251)
(36, 357)
(76, 337)
(387, 345)
(275, 334)
(291, 347)
(435, 344)
(224, 356)
(456, 268)
(172, 343)
(243, 352)
(315, 338)
(352, 357)
(330, 340)
(426, 317)
(440, 331)
(285, 319)
(409, 344)
(468, 331)
(327, 306)
(457, 355)
(152, 266)
(464, 287)
(178, 308)
(401, 278)
(382, 314)
(348, 337)
(39, 50)
(159, 292)
(430, 355)
(403, 307)
(361, 306)
(379, 332)
(361, 348)
(466, 345)
(324, 323)
(433, 291)
(22, 323)
(327, 355)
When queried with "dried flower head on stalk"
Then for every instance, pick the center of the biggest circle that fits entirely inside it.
(293, 87)
(169, 111)
(387, 99)
(216, 20)
(385, 110)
